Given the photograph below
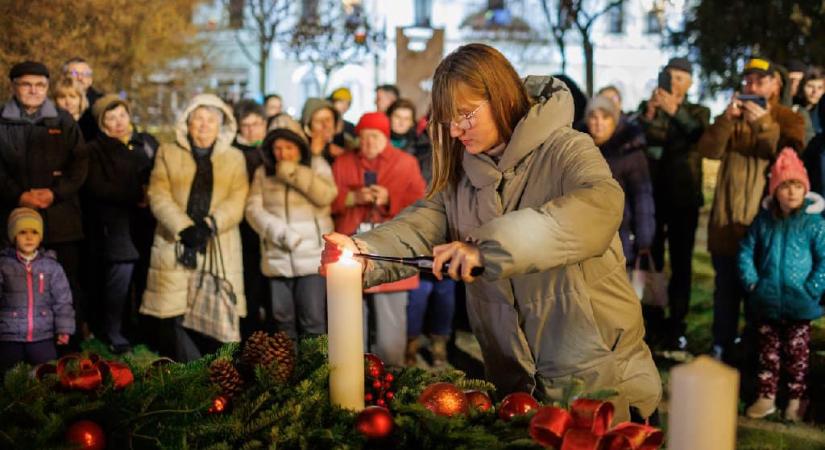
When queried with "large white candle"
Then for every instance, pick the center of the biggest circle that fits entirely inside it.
(703, 406)
(346, 333)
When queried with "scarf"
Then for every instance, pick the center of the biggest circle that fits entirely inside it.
(200, 197)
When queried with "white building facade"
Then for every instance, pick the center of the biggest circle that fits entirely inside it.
(628, 49)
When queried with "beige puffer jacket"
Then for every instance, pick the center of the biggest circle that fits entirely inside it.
(168, 194)
(555, 300)
(290, 212)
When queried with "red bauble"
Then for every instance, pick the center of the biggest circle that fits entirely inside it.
(516, 404)
(389, 378)
(367, 397)
(377, 384)
(219, 405)
(444, 399)
(389, 395)
(478, 400)
(381, 402)
(87, 435)
(373, 366)
(374, 422)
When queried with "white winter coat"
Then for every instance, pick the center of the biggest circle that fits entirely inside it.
(290, 212)
(168, 193)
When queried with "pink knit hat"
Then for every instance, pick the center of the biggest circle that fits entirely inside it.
(788, 166)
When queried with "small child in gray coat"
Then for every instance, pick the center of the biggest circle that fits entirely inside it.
(35, 298)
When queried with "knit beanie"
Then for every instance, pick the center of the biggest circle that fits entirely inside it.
(374, 120)
(24, 218)
(311, 106)
(107, 103)
(788, 166)
(341, 93)
(605, 104)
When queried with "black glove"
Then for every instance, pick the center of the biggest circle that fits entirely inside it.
(196, 236)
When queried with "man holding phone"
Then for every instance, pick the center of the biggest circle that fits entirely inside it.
(672, 127)
(374, 185)
(747, 138)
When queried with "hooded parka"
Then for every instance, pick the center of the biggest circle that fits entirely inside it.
(555, 300)
(290, 211)
(782, 261)
(169, 186)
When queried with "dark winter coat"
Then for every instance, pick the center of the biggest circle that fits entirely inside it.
(814, 157)
(87, 122)
(252, 155)
(418, 145)
(35, 299)
(118, 173)
(624, 152)
(675, 163)
(782, 262)
(45, 154)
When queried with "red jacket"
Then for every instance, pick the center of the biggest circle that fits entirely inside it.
(398, 172)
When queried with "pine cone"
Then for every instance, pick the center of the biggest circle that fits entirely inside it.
(226, 376)
(284, 351)
(276, 353)
(255, 349)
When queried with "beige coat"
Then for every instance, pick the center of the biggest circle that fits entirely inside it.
(555, 300)
(168, 193)
(290, 212)
(746, 150)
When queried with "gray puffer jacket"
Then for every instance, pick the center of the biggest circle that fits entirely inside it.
(555, 301)
(35, 299)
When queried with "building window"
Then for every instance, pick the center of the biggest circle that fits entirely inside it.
(236, 14)
(423, 13)
(615, 20)
(653, 24)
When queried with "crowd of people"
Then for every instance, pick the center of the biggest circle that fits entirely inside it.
(107, 227)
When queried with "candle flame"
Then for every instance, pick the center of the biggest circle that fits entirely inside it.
(346, 254)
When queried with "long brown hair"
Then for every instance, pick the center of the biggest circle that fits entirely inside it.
(484, 72)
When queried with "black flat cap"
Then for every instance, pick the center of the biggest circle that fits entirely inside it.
(680, 64)
(28, 68)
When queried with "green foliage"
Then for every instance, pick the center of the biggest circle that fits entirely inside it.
(166, 407)
(722, 33)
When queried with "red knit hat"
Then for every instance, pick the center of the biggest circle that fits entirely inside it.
(788, 166)
(375, 120)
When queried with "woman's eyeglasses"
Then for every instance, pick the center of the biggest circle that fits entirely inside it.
(465, 121)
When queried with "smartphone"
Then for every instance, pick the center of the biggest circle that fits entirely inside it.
(758, 99)
(665, 81)
(370, 178)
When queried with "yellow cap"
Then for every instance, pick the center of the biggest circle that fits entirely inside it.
(341, 94)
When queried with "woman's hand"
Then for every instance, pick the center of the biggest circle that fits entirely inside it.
(62, 339)
(334, 245)
(462, 256)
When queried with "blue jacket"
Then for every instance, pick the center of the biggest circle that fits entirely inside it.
(782, 262)
(35, 299)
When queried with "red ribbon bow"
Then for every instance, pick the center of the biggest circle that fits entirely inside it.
(86, 374)
(586, 427)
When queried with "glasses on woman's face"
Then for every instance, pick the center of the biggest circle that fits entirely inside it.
(465, 121)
